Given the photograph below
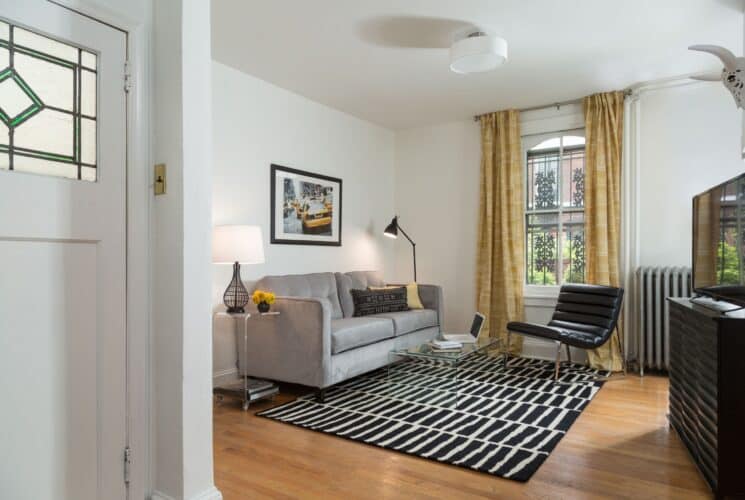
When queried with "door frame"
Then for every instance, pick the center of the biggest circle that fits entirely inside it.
(139, 236)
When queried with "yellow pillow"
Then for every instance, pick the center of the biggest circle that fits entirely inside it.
(412, 294)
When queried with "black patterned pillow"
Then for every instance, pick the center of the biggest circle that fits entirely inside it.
(368, 302)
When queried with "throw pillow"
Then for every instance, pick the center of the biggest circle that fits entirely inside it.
(412, 294)
(368, 302)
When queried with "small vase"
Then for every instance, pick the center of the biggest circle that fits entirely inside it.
(263, 307)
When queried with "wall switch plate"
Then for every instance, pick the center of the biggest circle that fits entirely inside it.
(160, 179)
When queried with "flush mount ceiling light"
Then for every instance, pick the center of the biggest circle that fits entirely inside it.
(476, 51)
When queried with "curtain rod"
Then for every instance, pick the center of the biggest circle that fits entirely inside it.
(626, 93)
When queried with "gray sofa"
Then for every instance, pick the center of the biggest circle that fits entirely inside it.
(316, 341)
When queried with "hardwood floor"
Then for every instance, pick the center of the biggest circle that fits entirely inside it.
(620, 447)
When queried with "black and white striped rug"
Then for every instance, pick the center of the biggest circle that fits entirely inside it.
(505, 422)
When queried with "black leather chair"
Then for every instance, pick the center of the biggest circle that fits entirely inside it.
(585, 317)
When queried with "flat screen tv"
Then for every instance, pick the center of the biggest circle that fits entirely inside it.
(719, 242)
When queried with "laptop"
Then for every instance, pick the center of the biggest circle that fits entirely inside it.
(468, 338)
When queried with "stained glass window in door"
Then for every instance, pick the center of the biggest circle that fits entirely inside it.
(48, 95)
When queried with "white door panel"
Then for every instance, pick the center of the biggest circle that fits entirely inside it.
(62, 288)
(47, 352)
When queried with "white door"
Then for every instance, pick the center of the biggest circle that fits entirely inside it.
(62, 254)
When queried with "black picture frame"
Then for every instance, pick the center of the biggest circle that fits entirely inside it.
(278, 234)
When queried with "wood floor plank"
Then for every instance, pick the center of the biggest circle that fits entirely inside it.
(620, 447)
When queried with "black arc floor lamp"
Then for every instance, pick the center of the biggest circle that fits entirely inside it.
(392, 232)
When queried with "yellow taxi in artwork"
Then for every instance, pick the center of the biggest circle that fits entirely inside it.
(300, 208)
(317, 218)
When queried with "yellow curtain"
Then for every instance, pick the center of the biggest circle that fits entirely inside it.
(501, 255)
(604, 134)
(706, 231)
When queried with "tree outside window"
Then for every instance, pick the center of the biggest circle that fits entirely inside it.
(555, 211)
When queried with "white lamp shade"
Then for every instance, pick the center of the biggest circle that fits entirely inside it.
(242, 244)
(476, 54)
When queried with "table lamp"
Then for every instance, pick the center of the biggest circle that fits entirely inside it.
(237, 245)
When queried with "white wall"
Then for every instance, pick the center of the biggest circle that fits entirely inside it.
(196, 105)
(182, 360)
(689, 141)
(437, 199)
(168, 256)
(256, 124)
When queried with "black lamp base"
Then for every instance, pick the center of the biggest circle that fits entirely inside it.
(236, 296)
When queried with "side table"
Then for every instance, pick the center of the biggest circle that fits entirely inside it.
(248, 389)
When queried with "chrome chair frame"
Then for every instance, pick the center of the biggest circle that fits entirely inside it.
(557, 363)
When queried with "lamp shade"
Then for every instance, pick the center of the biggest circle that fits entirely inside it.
(392, 229)
(242, 244)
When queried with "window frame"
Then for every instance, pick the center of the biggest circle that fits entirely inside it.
(527, 143)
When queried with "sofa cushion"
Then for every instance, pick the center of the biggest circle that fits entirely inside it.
(357, 280)
(412, 294)
(410, 321)
(350, 333)
(369, 302)
(318, 285)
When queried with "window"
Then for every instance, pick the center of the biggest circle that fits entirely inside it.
(47, 106)
(555, 211)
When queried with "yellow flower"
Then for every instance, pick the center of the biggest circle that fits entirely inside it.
(258, 296)
(270, 298)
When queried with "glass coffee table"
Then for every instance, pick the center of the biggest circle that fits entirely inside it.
(446, 376)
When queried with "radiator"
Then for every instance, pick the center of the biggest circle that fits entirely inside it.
(653, 286)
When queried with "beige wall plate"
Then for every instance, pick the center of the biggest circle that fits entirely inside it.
(160, 179)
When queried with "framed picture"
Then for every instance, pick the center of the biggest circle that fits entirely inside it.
(305, 208)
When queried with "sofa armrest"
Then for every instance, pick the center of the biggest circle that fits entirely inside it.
(294, 346)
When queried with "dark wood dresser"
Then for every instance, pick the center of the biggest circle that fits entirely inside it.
(707, 392)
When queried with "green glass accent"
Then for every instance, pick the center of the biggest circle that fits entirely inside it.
(4, 148)
(39, 55)
(41, 155)
(30, 93)
(45, 57)
(77, 138)
(35, 107)
(25, 115)
(50, 156)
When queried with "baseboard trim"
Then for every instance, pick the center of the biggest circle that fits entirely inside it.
(222, 377)
(224, 373)
(211, 493)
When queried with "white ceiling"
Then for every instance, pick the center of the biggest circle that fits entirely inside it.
(386, 61)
